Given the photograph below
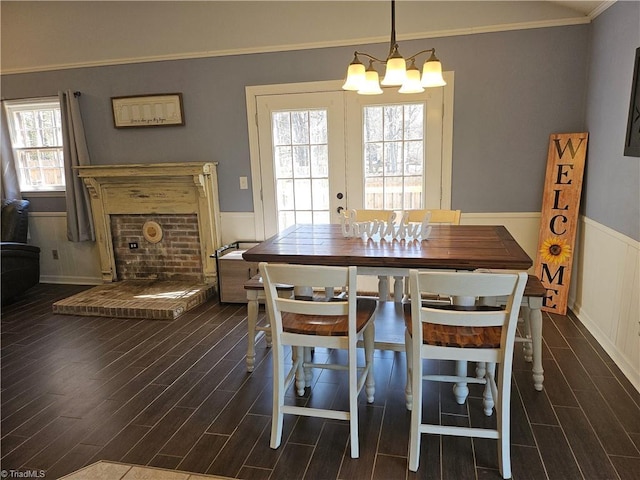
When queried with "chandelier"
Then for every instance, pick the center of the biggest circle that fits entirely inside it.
(410, 80)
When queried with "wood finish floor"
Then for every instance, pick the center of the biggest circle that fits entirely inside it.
(175, 394)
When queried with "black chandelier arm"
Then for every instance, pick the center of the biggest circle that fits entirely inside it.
(412, 57)
(371, 57)
(429, 50)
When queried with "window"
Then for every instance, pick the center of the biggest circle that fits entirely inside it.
(36, 137)
(300, 144)
(393, 156)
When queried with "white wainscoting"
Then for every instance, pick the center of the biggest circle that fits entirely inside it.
(237, 226)
(77, 263)
(605, 293)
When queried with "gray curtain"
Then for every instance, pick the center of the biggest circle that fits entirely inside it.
(10, 183)
(79, 219)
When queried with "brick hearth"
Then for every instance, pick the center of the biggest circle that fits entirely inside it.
(150, 299)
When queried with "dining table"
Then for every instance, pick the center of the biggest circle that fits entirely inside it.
(458, 247)
(450, 247)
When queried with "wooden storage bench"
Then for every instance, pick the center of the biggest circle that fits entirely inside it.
(233, 273)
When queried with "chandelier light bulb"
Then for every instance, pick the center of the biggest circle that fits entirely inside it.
(372, 82)
(355, 75)
(432, 72)
(412, 83)
(396, 71)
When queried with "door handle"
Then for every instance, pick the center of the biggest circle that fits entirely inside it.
(339, 209)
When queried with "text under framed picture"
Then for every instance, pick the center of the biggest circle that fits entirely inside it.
(159, 110)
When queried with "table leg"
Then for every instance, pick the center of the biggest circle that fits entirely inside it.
(383, 288)
(252, 320)
(527, 347)
(398, 289)
(535, 318)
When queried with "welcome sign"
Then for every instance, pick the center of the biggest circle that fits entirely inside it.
(558, 224)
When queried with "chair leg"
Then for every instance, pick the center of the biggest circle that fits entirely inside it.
(370, 383)
(502, 394)
(408, 348)
(461, 389)
(308, 375)
(353, 402)
(415, 436)
(277, 416)
(481, 369)
(267, 333)
(488, 395)
(299, 366)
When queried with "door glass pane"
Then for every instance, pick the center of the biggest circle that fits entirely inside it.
(320, 194)
(301, 166)
(393, 156)
(302, 190)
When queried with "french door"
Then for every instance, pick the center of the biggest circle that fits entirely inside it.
(317, 149)
(302, 158)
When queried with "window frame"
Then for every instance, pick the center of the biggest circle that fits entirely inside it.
(35, 104)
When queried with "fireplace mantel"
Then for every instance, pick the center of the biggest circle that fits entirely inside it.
(154, 189)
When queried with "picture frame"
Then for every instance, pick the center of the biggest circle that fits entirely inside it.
(632, 138)
(158, 110)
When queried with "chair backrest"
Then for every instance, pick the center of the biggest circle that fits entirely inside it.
(451, 217)
(464, 288)
(371, 215)
(15, 220)
(317, 278)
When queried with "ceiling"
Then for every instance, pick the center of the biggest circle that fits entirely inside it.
(39, 35)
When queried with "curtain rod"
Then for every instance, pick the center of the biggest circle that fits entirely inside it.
(75, 94)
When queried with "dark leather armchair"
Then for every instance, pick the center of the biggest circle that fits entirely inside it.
(20, 262)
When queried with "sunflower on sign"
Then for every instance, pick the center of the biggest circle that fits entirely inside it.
(555, 250)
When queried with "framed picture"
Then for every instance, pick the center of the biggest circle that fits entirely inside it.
(160, 110)
(632, 140)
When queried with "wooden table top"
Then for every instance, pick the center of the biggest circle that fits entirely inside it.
(464, 247)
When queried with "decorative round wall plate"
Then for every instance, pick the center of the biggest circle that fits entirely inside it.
(152, 232)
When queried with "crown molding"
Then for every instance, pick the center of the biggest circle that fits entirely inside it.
(601, 8)
(308, 46)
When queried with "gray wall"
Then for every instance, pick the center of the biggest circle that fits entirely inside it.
(612, 183)
(512, 90)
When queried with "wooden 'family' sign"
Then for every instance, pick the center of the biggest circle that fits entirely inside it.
(560, 202)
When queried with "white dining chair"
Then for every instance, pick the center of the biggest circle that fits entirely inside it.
(332, 322)
(445, 217)
(478, 333)
(373, 215)
(437, 216)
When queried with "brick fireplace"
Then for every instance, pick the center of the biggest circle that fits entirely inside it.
(175, 257)
(157, 228)
(180, 200)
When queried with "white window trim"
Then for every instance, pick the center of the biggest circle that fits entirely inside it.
(309, 87)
